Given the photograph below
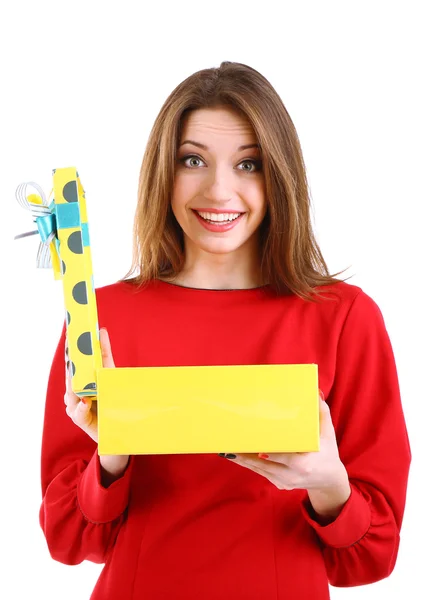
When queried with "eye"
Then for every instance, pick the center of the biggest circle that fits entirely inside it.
(189, 161)
(255, 165)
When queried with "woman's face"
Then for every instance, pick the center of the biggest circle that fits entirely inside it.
(219, 191)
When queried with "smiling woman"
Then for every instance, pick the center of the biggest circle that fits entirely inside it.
(226, 271)
(224, 141)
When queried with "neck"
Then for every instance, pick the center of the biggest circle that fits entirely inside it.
(236, 269)
(231, 270)
(215, 281)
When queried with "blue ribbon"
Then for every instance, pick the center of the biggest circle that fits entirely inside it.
(49, 218)
(46, 226)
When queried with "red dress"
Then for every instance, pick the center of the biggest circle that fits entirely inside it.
(199, 527)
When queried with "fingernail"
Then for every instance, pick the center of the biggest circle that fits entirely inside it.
(264, 455)
(83, 400)
(321, 394)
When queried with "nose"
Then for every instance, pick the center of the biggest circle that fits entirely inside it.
(218, 185)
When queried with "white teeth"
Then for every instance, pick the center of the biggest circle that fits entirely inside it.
(219, 217)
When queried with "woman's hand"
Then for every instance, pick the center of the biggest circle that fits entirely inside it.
(321, 473)
(83, 412)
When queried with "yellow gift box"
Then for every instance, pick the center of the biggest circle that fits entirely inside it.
(167, 410)
(77, 275)
(174, 410)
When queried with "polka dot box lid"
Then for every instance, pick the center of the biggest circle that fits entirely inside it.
(63, 226)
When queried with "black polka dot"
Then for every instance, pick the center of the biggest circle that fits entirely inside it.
(73, 367)
(80, 293)
(90, 386)
(75, 242)
(68, 318)
(84, 343)
(70, 191)
(63, 267)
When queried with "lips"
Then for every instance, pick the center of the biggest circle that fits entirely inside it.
(221, 226)
(218, 211)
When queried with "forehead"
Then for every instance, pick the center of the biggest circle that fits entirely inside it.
(218, 122)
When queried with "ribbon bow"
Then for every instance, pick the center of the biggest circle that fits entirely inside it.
(44, 217)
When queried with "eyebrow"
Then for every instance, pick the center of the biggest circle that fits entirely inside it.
(203, 147)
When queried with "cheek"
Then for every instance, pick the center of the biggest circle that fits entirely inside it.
(184, 189)
(178, 197)
(255, 197)
(182, 195)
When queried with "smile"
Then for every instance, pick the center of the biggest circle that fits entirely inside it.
(218, 221)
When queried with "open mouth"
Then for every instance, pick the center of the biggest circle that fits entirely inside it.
(221, 220)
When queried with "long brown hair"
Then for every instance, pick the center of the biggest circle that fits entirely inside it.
(291, 260)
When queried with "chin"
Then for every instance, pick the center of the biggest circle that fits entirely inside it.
(219, 246)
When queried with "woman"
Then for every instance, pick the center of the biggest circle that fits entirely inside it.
(229, 272)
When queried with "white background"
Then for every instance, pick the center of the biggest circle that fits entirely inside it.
(82, 84)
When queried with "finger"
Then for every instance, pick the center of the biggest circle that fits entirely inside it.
(272, 472)
(70, 398)
(82, 415)
(253, 462)
(67, 366)
(67, 376)
(287, 459)
(283, 458)
(107, 355)
(71, 401)
(326, 426)
(280, 476)
(323, 405)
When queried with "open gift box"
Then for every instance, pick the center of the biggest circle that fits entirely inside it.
(168, 410)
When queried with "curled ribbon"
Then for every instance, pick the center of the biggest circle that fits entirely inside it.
(44, 217)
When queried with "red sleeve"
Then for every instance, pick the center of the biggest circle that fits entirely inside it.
(361, 545)
(79, 517)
